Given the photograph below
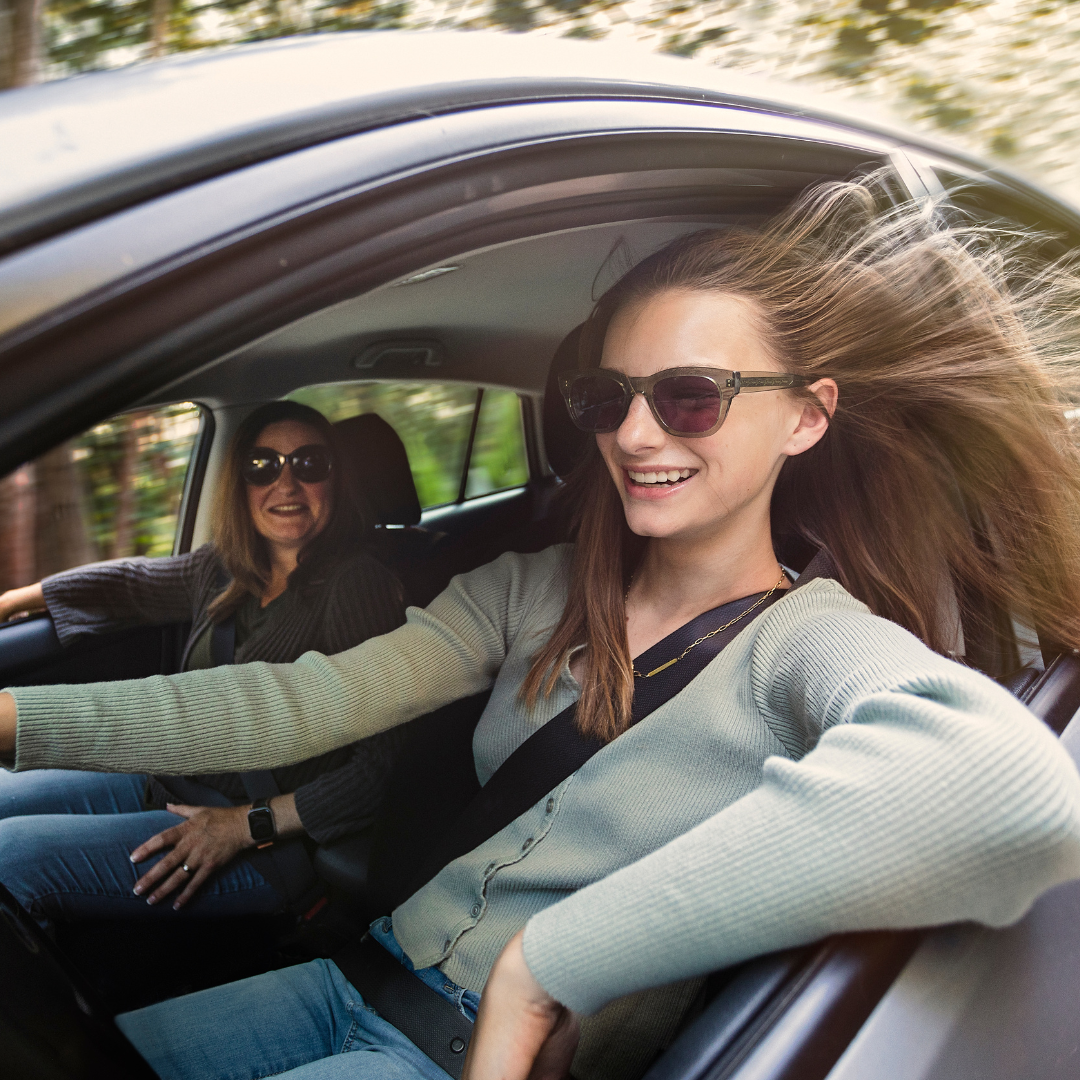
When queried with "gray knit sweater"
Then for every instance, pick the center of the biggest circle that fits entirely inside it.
(336, 792)
(826, 772)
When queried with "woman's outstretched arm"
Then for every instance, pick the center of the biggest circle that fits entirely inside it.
(932, 797)
(247, 716)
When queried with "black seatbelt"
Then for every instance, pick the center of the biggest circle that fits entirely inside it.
(559, 749)
(536, 767)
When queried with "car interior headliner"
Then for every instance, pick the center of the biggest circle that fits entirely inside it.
(495, 319)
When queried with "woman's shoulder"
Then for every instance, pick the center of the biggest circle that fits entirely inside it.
(807, 610)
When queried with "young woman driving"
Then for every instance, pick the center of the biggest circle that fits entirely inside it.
(826, 771)
(286, 571)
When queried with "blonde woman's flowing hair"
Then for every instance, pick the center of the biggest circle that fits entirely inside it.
(950, 458)
(242, 550)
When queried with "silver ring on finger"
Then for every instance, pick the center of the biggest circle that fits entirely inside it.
(185, 868)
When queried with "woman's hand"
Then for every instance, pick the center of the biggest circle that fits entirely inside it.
(210, 838)
(16, 601)
(8, 715)
(522, 1032)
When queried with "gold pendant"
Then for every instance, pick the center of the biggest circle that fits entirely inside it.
(656, 671)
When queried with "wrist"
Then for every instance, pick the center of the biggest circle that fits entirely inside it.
(241, 832)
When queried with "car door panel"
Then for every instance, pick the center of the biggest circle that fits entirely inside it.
(31, 654)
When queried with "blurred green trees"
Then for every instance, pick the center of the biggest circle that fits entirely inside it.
(998, 76)
(113, 491)
(434, 421)
(132, 469)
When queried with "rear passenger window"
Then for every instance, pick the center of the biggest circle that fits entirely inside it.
(111, 492)
(463, 441)
(498, 455)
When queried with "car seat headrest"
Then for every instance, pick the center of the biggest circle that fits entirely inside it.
(379, 466)
(564, 443)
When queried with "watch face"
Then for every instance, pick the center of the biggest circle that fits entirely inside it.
(261, 823)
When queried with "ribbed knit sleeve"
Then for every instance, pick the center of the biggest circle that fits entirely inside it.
(931, 797)
(108, 596)
(259, 715)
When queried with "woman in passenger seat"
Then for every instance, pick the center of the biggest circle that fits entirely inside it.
(831, 768)
(286, 573)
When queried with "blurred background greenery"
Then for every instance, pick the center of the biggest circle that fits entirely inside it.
(996, 76)
(434, 421)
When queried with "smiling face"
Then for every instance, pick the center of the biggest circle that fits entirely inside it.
(689, 489)
(287, 513)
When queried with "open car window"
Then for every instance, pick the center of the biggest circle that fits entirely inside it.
(463, 441)
(113, 491)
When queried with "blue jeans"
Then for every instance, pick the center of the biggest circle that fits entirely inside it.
(65, 838)
(308, 1022)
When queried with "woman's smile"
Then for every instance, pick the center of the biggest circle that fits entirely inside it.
(656, 481)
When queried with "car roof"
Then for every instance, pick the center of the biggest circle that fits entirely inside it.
(97, 142)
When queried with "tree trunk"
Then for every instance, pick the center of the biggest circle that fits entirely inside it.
(159, 26)
(17, 529)
(20, 42)
(61, 536)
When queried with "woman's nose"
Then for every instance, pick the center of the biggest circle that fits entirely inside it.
(286, 481)
(639, 430)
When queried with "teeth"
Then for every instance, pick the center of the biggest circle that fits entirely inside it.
(668, 476)
(288, 508)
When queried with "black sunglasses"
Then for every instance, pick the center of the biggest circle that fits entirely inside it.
(690, 402)
(310, 464)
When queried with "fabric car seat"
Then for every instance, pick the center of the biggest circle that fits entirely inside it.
(377, 465)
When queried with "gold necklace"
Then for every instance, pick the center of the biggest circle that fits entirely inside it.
(712, 633)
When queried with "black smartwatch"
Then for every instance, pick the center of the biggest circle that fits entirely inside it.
(261, 823)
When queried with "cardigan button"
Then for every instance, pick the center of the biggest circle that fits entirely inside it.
(527, 844)
(457, 1045)
(475, 910)
(550, 805)
(446, 945)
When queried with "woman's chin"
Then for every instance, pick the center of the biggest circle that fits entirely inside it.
(654, 523)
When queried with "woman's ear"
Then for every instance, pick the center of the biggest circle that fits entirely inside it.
(814, 420)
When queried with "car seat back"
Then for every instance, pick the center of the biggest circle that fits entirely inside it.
(377, 465)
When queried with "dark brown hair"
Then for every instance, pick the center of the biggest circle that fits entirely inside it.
(949, 457)
(240, 547)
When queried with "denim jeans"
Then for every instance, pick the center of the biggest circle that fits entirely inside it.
(65, 838)
(307, 1022)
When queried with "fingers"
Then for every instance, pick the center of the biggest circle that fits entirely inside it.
(182, 810)
(178, 877)
(165, 839)
(165, 875)
(197, 878)
(557, 1053)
